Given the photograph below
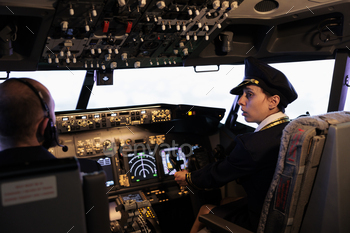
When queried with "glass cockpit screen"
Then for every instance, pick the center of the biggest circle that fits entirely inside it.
(176, 153)
(106, 164)
(142, 166)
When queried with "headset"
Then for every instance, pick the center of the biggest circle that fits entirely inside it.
(50, 135)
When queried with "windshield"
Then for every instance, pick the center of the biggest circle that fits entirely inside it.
(181, 85)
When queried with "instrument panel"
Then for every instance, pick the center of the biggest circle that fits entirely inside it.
(137, 153)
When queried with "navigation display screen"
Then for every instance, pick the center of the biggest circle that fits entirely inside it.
(142, 166)
(106, 164)
(177, 154)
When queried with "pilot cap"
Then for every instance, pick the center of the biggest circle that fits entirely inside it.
(269, 79)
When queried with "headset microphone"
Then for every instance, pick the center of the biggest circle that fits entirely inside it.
(64, 147)
(55, 137)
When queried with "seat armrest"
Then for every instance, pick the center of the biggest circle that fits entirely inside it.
(221, 225)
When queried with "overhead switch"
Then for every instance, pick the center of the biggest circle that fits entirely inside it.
(128, 27)
(71, 10)
(105, 26)
(160, 5)
(234, 5)
(216, 4)
(142, 3)
(225, 5)
(94, 12)
(64, 25)
(113, 65)
(121, 2)
(137, 64)
(185, 51)
(124, 56)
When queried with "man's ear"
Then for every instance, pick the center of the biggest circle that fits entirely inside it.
(274, 101)
(42, 126)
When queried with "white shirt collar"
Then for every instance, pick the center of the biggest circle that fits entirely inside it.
(270, 119)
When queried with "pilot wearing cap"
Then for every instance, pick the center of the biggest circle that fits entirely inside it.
(264, 93)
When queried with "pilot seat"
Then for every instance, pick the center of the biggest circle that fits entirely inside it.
(310, 188)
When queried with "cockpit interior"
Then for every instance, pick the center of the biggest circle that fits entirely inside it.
(140, 146)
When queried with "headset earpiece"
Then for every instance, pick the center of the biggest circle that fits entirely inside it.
(49, 135)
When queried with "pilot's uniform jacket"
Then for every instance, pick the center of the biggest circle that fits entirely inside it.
(252, 162)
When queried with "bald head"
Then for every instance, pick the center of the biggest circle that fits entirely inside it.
(21, 109)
